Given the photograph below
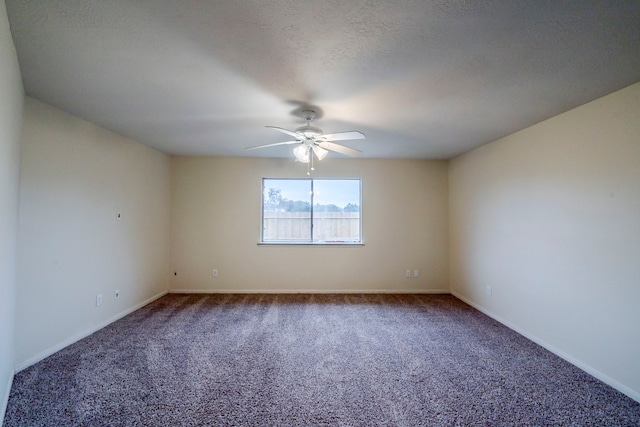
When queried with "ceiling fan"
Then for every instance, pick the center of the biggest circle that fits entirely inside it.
(311, 140)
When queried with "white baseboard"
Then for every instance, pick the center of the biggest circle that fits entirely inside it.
(309, 291)
(55, 348)
(576, 362)
(5, 401)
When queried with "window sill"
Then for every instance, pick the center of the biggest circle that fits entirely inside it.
(310, 243)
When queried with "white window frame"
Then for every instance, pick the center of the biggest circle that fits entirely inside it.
(310, 242)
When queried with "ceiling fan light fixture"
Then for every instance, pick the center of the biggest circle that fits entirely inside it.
(302, 153)
(320, 152)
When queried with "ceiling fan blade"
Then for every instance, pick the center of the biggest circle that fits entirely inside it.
(273, 145)
(341, 136)
(288, 132)
(339, 148)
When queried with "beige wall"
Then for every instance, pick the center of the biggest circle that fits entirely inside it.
(11, 99)
(549, 218)
(215, 221)
(75, 176)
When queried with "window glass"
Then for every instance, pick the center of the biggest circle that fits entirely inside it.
(311, 211)
(336, 213)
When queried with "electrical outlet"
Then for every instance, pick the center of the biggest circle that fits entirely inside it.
(98, 300)
(215, 272)
(116, 294)
(407, 273)
(489, 290)
(416, 273)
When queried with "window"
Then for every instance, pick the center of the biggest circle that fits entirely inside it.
(311, 211)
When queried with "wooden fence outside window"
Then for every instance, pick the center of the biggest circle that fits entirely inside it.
(328, 226)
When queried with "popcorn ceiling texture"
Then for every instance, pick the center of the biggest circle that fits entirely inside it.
(425, 79)
(357, 360)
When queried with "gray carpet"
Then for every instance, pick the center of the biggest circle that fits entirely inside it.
(305, 360)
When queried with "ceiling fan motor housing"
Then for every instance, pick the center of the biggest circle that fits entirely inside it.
(309, 131)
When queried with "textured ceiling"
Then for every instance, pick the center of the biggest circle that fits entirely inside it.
(422, 79)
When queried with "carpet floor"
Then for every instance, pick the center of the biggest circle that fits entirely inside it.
(308, 360)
